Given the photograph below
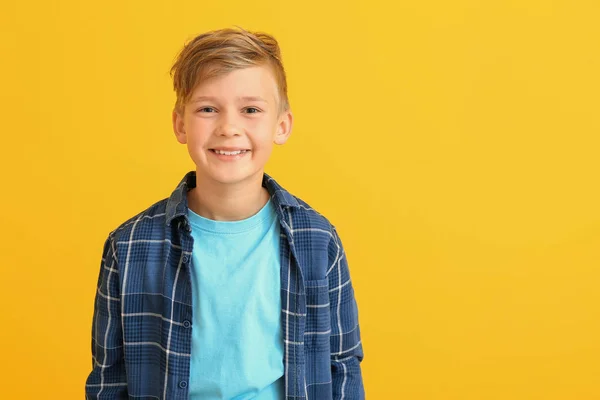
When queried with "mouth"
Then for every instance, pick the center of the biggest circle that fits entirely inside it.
(230, 152)
(231, 155)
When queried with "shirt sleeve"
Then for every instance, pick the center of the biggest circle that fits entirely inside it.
(107, 380)
(346, 346)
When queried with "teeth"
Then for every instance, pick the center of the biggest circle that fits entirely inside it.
(230, 153)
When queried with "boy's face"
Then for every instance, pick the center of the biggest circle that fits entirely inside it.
(239, 110)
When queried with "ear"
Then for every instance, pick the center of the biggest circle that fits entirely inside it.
(284, 127)
(179, 127)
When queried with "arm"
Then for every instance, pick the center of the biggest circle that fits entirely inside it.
(346, 345)
(107, 380)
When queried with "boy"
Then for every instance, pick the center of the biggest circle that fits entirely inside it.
(231, 288)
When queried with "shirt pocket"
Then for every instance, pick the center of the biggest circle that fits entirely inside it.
(318, 319)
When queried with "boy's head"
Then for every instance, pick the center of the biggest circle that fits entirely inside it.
(215, 53)
(231, 94)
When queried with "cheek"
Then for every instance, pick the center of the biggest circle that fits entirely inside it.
(197, 133)
(264, 143)
(265, 133)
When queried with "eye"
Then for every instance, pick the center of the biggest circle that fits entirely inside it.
(253, 108)
(205, 108)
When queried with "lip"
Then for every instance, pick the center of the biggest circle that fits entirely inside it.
(229, 148)
(223, 157)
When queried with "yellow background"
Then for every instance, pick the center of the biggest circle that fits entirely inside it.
(453, 143)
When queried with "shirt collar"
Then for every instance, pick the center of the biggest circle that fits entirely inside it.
(177, 204)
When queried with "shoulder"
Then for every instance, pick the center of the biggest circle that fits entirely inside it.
(296, 213)
(313, 230)
(316, 240)
(144, 224)
(304, 217)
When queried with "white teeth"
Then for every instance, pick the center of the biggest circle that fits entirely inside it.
(230, 153)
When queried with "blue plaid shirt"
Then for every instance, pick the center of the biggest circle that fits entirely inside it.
(141, 328)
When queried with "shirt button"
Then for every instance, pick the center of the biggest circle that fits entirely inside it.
(183, 384)
(186, 324)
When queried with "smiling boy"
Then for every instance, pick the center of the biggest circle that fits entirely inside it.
(232, 287)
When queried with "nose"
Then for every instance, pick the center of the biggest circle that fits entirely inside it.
(228, 124)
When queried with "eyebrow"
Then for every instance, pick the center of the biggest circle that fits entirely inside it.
(243, 98)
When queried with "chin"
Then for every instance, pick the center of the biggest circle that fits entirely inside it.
(231, 177)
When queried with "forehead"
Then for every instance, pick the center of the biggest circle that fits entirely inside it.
(243, 83)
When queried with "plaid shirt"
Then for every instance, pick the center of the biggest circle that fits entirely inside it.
(141, 328)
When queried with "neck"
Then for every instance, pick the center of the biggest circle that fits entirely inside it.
(227, 202)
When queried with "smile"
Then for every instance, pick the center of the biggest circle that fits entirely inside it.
(229, 155)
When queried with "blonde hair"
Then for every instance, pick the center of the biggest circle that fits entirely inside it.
(215, 53)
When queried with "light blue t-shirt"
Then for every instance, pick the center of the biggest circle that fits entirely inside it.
(237, 340)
